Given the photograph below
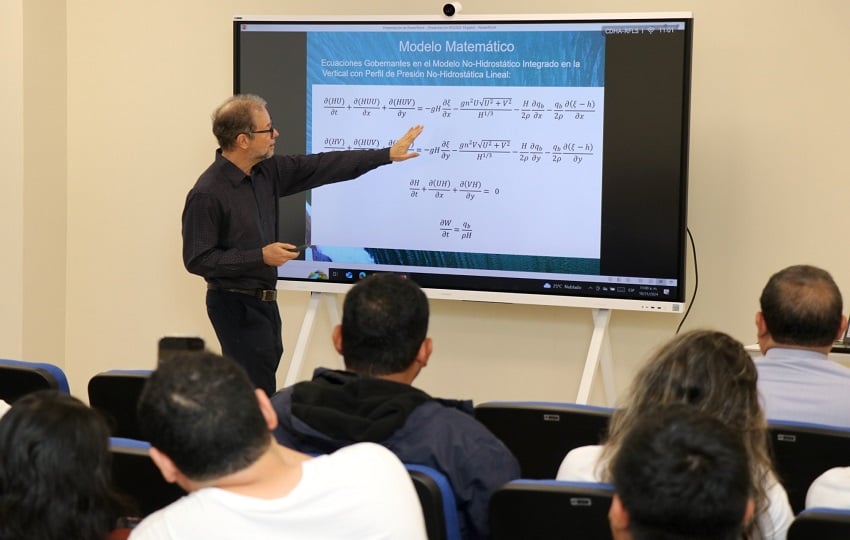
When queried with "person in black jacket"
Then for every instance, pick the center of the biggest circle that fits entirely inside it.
(384, 343)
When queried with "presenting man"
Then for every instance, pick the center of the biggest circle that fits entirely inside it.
(384, 344)
(230, 224)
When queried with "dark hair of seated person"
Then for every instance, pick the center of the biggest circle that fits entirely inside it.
(200, 409)
(683, 475)
(55, 471)
(384, 322)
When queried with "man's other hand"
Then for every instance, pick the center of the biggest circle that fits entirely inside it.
(277, 253)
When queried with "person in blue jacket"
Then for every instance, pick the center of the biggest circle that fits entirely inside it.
(384, 344)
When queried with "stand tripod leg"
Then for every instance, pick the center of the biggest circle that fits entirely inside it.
(599, 350)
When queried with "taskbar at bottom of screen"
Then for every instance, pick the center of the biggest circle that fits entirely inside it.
(636, 291)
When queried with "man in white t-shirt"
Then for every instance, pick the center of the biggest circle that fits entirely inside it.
(210, 433)
(801, 317)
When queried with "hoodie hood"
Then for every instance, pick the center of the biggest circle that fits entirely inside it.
(349, 407)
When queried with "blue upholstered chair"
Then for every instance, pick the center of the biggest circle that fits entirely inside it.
(115, 394)
(136, 475)
(18, 378)
(438, 502)
(548, 509)
(540, 433)
(802, 452)
(821, 524)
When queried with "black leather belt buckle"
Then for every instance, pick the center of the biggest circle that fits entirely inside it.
(267, 295)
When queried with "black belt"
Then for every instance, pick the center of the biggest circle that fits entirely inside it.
(265, 295)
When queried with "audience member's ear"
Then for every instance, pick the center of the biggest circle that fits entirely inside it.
(618, 518)
(424, 352)
(165, 465)
(761, 327)
(336, 337)
(842, 329)
(266, 408)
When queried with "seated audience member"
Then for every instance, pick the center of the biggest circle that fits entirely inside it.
(383, 342)
(209, 431)
(800, 318)
(830, 490)
(680, 474)
(711, 372)
(55, 471)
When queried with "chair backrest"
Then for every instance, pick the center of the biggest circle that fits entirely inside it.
(549, 509)
(18, 378)
(821, 524)
(540, 434)
(438, 502)
(115, 394)
(135, 475)
(802, 452)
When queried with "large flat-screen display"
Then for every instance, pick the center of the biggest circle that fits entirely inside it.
(554, 159)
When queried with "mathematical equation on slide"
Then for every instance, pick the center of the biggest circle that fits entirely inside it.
(481, 149)
(449, 229)
(477, 107)
(443, 188)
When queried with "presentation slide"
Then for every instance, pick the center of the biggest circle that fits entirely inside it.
(520, 136)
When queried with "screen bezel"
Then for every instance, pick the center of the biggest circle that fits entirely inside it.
(674, 305)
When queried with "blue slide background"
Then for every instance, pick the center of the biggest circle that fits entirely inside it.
(585, 47)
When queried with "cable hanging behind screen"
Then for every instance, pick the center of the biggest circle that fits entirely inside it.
(696, 280)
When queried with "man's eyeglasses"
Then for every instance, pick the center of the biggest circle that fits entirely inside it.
(270, 131)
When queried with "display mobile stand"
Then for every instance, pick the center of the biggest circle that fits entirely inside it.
(598, 353)
(598, 357)
(306, 332)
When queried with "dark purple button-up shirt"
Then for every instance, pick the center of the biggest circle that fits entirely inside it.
(229, 216)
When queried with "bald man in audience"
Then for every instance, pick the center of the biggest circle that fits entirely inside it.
(800, 319)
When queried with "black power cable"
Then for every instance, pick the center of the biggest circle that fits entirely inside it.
(696, 280)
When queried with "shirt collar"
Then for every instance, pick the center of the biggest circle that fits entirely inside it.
(794, 354)
(229, 170)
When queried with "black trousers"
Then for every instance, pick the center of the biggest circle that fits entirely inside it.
(249, 331)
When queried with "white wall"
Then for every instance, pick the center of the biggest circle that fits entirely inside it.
(12, 195)
(45, 182)
(767, 189)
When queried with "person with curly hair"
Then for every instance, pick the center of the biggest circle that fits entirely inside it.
(712, 372)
